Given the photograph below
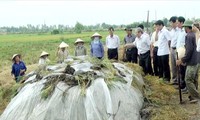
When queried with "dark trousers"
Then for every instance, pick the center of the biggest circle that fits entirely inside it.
(145, 63)
(113, 53)
(155, 61)
(164, 71)
(131, 55)
(182, 76)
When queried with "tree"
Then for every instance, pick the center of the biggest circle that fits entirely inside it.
(78, 27)
(165, 21)
(54, 32)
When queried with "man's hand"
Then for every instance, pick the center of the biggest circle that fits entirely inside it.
(22, 71)
(179, 62)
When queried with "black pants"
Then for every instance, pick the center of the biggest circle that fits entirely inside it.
(182, 76)
(131, 55)
(164, 71)
(145, 63)
(113, 53)
(155, 61)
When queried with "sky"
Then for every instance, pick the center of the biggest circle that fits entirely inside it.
(18, 13)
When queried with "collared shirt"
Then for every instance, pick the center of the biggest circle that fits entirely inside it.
(112, 42)
(174, 36)
(62, 55)
(163, 39)
(129, 38)
(43, 61)
(97, 49)
(145, 33)
(80, 51)
(142, 44)
(153, 39)
(180, 38)
(17, 67)
(190, 49)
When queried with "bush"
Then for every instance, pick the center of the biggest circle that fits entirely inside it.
(54, 32)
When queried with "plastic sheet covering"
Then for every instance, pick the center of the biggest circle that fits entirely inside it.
(116, 101)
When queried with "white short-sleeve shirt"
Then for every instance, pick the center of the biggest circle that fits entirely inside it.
(112, 42)
(163, 39)
(142, 44)
(174, 36)
(180, 38)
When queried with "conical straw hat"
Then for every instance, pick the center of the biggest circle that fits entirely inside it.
(63, 45)
(44, 53)
(181, 52)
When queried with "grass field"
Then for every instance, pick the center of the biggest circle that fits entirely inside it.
(30, 46)
(164, 97)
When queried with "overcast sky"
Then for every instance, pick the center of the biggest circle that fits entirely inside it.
(18, 13)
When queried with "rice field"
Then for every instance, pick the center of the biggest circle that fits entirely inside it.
(30, 46)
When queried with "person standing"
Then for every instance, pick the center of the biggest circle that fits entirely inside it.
(96, 47)
(174, 35)
(142, 42)
(163, 37)
(181, 45)
(142, 27)
(80, 49)
(112, 44)
(43, 61)
(62, 52)
(196, 30)
(190, 59)
(154, 51)
(131, 53)
(18, 68)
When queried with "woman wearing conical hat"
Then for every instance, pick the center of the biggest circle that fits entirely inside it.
(18, 67)
(96, 48)
(43, 61)
(62, 52)
(80, 49)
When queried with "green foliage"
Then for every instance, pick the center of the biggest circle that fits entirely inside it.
(54, 32)
(78, 27)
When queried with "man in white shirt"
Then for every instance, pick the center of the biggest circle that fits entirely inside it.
(174, 35)
(142, 27)
(154, 51)
(112, 43)
(181, 43)
(142, 42)
(163, 37)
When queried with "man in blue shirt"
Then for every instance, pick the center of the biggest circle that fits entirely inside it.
(18, 68)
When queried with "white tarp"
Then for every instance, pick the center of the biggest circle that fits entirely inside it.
(119, 101)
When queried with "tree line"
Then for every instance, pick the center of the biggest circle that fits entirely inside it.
(78, 28)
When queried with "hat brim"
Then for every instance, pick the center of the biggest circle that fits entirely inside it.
(187, 25)
(79, 42)
(44, 55)
(127, 29)
(96, 36)
(13, 58)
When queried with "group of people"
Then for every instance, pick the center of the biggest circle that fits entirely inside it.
(96, 50)
(181, 44)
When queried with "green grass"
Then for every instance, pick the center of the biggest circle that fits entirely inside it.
(30, 46)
